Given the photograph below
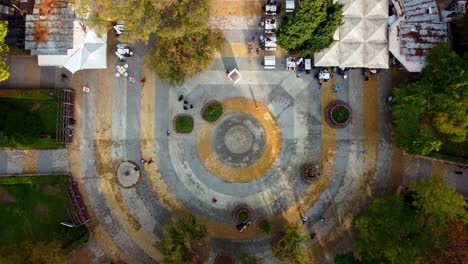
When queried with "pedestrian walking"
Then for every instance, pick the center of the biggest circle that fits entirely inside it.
(143, 161)
(168, 132)
(181, 97)
(142, 81)
(136, 168)
(304, 219)
(150, 160)
(313, 235)
(322, 219)
(214, 200)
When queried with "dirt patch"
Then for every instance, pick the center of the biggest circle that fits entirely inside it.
(35, 107)
(5, 197)
(40, 210)
(79, 256)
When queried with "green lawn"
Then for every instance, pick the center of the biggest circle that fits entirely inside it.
(31, 211)
(28, 122)
(212, 111)
(340, 114)
(183, 124)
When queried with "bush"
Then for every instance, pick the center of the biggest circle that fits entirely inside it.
(340, 114)
(265, 226)
(243, 216)
(212, 111)
(183, 124)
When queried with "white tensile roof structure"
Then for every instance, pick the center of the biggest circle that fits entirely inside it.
(362, 40)
(89, 51)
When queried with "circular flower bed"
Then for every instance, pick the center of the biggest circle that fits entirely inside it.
(338, 114)
(199, 253)
(263, 224)
(183, 124)
(242, 214)
(223, 259)
(310, 172)
(212, 111)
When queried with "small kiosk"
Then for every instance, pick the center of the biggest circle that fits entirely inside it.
(235, 76)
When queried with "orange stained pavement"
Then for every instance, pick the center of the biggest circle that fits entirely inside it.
(29, 161)
(263, 164)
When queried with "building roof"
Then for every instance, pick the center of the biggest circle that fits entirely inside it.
(417, 31)
(49, 30)
(362, 40)
(89, 51)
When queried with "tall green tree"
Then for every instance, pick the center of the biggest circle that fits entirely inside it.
(181, 238)
(311, 27)
(434, 109)
(141, 17)
(388, 229)
(4, 71)
(395, 231)
(438, 203)
(291, 247)
(186, 44)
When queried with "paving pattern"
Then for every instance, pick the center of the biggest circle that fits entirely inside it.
(272, 124)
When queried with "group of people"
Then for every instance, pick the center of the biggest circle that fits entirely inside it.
(149, 161)
(242, 226)
(186, 104)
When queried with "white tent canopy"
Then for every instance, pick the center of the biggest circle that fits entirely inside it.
(89, 51)
(362, 40)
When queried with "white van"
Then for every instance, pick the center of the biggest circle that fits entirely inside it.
(269, 62)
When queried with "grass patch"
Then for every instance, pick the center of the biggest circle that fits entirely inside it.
(212, 111)
(28, 119)
(265, 226)
(243, 216)
(183, 124)
(340, 114)
(31, 211)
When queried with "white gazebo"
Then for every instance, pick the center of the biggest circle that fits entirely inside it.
(89, 51)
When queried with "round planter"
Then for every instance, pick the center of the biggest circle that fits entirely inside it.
(309, 172)
(329, 116)
(175, 122)
(238, 210)
(223, 259)
(258, 223)
(199, 253)
(208, 104)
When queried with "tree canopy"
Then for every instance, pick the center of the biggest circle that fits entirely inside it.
(311, 27)
(434, 109)
(396, 231)
(179, 239)
(141, 18)
(185, 43)
(291, 247)
(4, 72)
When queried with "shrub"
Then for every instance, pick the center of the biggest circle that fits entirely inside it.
(212, 111)
(340, 114)
(243, 216)
(265, 226)
(183, 124)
